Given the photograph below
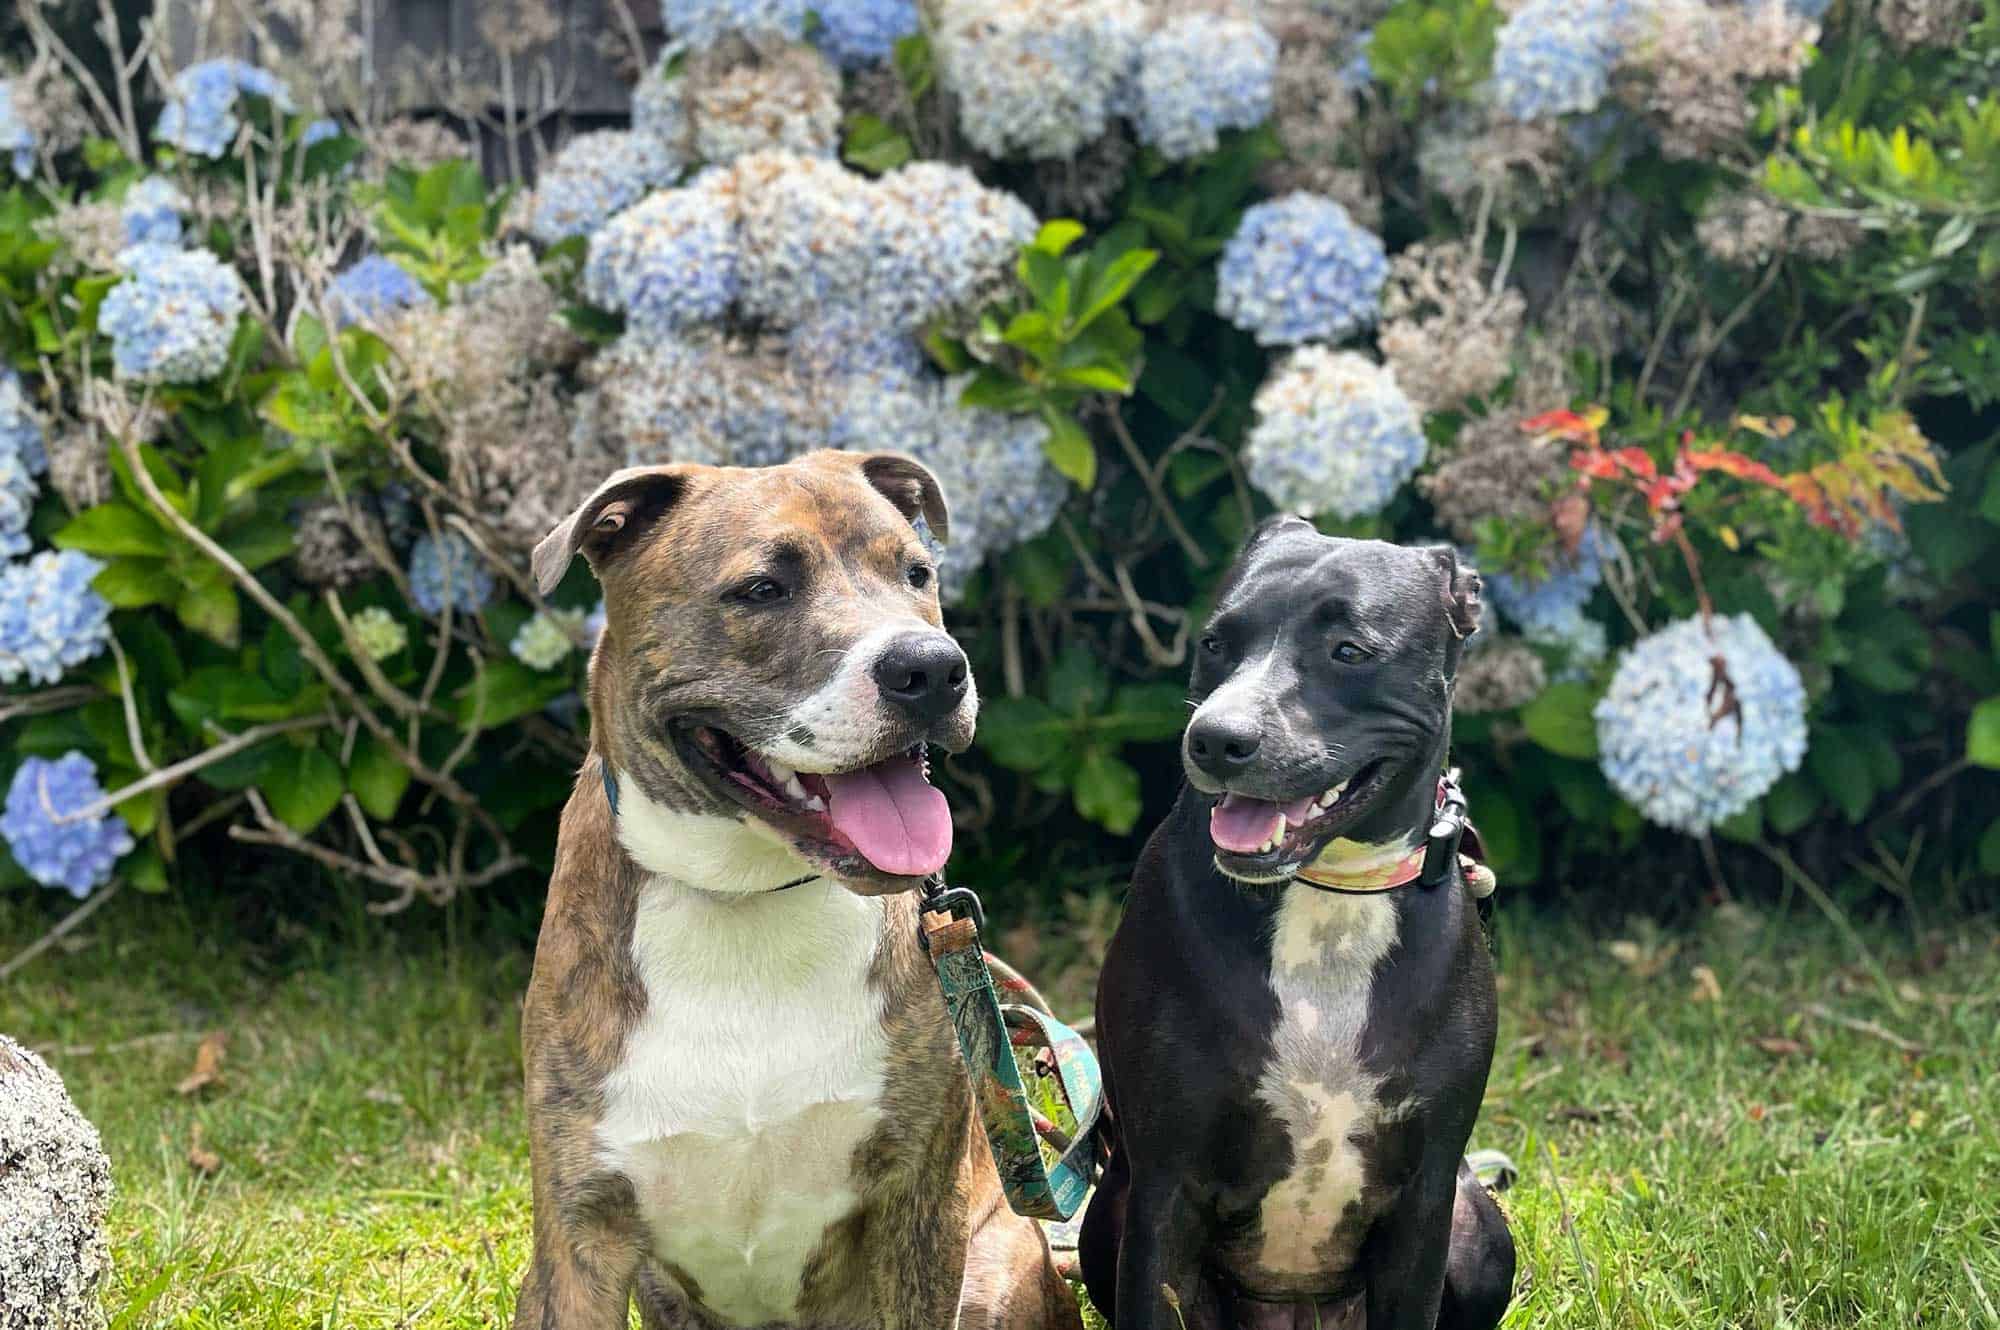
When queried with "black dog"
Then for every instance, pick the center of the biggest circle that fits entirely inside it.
(1293, 1066)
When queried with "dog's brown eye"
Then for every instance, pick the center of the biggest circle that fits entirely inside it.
(763, 591)
(1211, 644)
(919, 575)
(1349, 654)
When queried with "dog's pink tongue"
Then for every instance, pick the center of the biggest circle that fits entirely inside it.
(898, 820)
(1241, 825)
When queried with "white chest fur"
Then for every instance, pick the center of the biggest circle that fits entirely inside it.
(755, 1072)
(1324, 951)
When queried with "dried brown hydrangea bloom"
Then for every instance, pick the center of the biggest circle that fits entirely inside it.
(743, 99)
(1468, 157)
(1444, 334)
(878, 90)
(1495, 470)
(1748, 229)
(1503, 674)
(1909, 24)
(50, 107)
(488, 368)
(333, 546)
(90, 233)
(1693, 65)
(416, 142)
(1313, 108)
(79, 466)
(1087, 184)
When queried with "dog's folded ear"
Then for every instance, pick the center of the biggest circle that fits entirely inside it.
(909, 485)
(608, 521)
(1462, 599)
(1272, 525)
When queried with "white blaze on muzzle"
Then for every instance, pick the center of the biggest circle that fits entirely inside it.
(844, 720)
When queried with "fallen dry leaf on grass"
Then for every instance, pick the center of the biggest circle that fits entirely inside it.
(207, 1064)
(204, 1161)
(1644, 959)
(1780, 1047)
(1707, 988)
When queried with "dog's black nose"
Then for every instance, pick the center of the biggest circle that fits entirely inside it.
(1223, 745)
(924, 674)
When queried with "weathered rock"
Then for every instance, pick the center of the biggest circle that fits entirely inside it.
(55, 1189)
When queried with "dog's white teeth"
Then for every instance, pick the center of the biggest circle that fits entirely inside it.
(1276, 837)
(794, 791)
(780, 773)
(815, 804)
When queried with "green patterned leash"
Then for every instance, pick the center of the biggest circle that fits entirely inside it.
(988, 1032)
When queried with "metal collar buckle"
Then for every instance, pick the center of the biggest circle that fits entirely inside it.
(1447, 829)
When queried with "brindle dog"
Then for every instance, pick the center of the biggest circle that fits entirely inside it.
(744, 1100)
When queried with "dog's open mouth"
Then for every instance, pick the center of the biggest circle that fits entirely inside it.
(885, 816)
(1263, 838)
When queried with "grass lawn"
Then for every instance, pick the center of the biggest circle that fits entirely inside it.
(1737, 1125)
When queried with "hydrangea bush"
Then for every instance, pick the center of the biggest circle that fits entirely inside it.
(1676, 330)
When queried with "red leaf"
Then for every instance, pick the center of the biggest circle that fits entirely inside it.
(1637, 460)
(1594, 462)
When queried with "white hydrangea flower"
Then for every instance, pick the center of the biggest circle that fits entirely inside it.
(1334, 434)
(1037, 78)
(1664, 740)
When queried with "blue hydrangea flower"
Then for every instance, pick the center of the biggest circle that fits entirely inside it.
(844, 346)
(20, 425)
(50, 617)
(17, 504)
(151, 212)
(172, 318)
(703, 23)
(1580, 644)
(944, 239)
(659, 102)
(1199, 75)
(671, 261)
(200, 114)
(593, 626)
(16, 139)
(992, 465)
(22, 458)
(1538, 604)
(922, 240)
(448, 568)
(1299, 270)
(1334, 434)
(319, 131)
(76, 855)
(371, 290)
(1661, 743)
(856, 33)
(811, 235)
(595, 177)
(702, 398)
(1555, 57)
(1037, 78)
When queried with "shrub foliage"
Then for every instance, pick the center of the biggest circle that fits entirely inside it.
(1675, 315)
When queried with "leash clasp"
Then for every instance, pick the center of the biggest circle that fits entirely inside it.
(1447, 829)
(938, 898)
